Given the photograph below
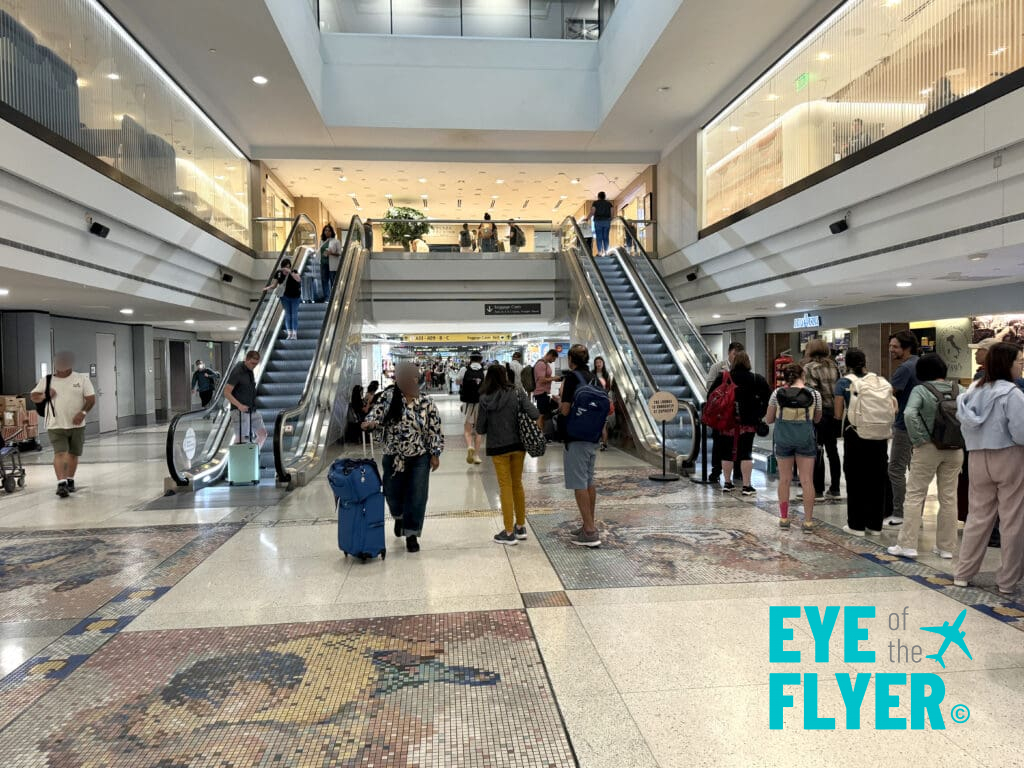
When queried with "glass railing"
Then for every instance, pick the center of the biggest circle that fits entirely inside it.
(597, 322)
(685, 342)
(74, 71)
(538, 19)
(869, 70)
(197, 441)
(302, 434)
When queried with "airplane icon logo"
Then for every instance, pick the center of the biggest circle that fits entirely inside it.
(950, 634)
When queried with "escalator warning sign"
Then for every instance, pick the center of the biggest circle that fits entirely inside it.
(500, 310)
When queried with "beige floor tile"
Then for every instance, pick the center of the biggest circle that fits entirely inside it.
(573, 664)
(604, 734)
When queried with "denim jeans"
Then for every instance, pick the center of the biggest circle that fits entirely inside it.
(509, 469)
(899, 461)
(406, 492)
(325, 281)
(602, 228)
(291, 313)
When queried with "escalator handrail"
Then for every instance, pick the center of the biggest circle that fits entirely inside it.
(672, 342)
(334, 320)
(695, 444)
(216, 400)
(631, 232)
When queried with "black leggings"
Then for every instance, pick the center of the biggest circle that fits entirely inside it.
(827, 432)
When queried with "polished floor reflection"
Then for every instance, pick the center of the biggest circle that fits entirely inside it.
(141, 631)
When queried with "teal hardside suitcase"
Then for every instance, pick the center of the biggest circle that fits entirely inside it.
(244, 459)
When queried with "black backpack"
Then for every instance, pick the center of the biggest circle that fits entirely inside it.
(469, 390)
(946, 433)
(792, 398)
(47, 403)
(465, 239)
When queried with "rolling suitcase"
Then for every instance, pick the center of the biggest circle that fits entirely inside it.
(244, 459)
(360, 505)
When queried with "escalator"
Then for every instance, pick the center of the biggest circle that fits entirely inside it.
(647, 339)
(300, 383)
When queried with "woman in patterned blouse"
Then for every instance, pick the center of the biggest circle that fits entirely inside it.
(413, 443)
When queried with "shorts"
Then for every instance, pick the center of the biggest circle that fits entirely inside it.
(726, 444)
(795, 438)
(545, 404)
(67, 440)
(250, 425)
(471, 410)
(579, 464)
(807, 451)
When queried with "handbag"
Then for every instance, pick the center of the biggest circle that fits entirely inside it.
(530, 436)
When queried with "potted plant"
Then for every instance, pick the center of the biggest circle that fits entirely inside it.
(413, 224)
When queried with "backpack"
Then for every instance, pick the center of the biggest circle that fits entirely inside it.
(720, 409)
(870, 412)
(47, 403)
(486, 231)
(526, 377)
(469, 390)
(465, 239)
(518, 236)
(946, 434)
(588, 413)
(795, 404)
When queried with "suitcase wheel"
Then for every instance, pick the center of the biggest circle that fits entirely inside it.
(383, 555)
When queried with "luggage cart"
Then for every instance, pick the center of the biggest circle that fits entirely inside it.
(12, 472)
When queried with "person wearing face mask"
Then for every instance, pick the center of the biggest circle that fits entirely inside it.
(204, 382)
(412, 445)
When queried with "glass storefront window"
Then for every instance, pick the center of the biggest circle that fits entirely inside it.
(870, 69)
(68, 65)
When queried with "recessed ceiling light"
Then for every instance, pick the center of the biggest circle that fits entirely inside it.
(113, 76)
(499, 181)
(220, 178)
(343, 178)
(978, 257)
(904, 284)
(424, 197)
(353, 194)
(716, 317)
(772, 97)
(824, 56)
(998, 51)
(780, 305)
(564, 197)
(213, 50)
(423, 181)
(190, 322)
(177, 193)
(734, 129)
(664, 89)
(494, 197)
(925, 91)
(127, 311)
(232, 327)
(260, 80)
(575, 181)
(5, 291)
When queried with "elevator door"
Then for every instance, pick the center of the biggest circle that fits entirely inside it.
(106, 381)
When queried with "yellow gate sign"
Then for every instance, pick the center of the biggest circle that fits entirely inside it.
(455, 338)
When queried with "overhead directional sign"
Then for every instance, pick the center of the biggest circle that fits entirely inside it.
(455, 338)
(501, 310)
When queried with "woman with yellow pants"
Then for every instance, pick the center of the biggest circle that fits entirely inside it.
(498, 419)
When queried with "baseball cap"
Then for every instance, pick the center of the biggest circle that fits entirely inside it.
(985, 343)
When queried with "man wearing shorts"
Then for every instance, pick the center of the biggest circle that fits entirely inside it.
(70, 398)
(543, 376)
(240, 390)
(580, 457)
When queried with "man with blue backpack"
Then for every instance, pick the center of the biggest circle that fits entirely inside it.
(585, 407)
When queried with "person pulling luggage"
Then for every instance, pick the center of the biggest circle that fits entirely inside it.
(413, 443)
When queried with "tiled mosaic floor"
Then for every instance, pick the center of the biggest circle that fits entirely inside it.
(442, 690)
(616, 488)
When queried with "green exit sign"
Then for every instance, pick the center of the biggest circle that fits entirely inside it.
(803, 81)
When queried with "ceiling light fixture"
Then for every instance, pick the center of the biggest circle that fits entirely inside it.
(716, 317)
(494, 197)
(343, 178)
(127, 311)
(734, 129)
(925, 91)
(664, 89)
(780, 305)
(772, 97)
(353, 194)
(904, 284)
(998, 51)
(423, 196)
(565, 197)
(824, 56)
(232, 327)
(5, 291)
(423, 181)
(81, 82)
(113, 76)
(260, 80)
(978, 257)
(177, 193)
(190, 322)
(499, 181)
(575, 181)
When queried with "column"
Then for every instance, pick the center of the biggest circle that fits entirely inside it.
(142, 372)
(26, 350)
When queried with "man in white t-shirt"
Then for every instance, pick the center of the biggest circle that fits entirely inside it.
(68, 402)
(516, 367)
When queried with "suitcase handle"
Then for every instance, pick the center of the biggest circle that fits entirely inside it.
(251, 434)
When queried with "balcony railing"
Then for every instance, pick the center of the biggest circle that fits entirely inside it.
(538, 19)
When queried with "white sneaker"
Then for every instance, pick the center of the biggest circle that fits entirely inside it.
(942, 553)
(852, 532)
(893, 520)
(869, 532)
(960, 583)
(899, 551)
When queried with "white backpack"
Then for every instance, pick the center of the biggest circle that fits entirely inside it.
(871, 411)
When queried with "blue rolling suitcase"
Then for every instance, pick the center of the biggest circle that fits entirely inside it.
(360, 503)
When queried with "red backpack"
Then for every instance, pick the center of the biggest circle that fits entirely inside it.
(720, 409)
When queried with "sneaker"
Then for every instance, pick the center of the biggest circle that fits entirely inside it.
(832, 496)
(961, 583)
(470, 456)
(808, 526)
(477, 459)
(749, 490)
(71, 484)
(899, 551)
(519, 532)
(584, 539)
(784, 523)
(942, 553)
(871, 532)
(728, 488)
(62, 490)
(1007, 592)
(412, 544)
(399, 530)
(506, 538)
(853, 532)
(604, 446)
(893, 520)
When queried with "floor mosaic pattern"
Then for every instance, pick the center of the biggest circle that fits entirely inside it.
(441, 690)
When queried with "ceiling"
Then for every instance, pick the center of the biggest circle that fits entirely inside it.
(527, 191)
(815, 291)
